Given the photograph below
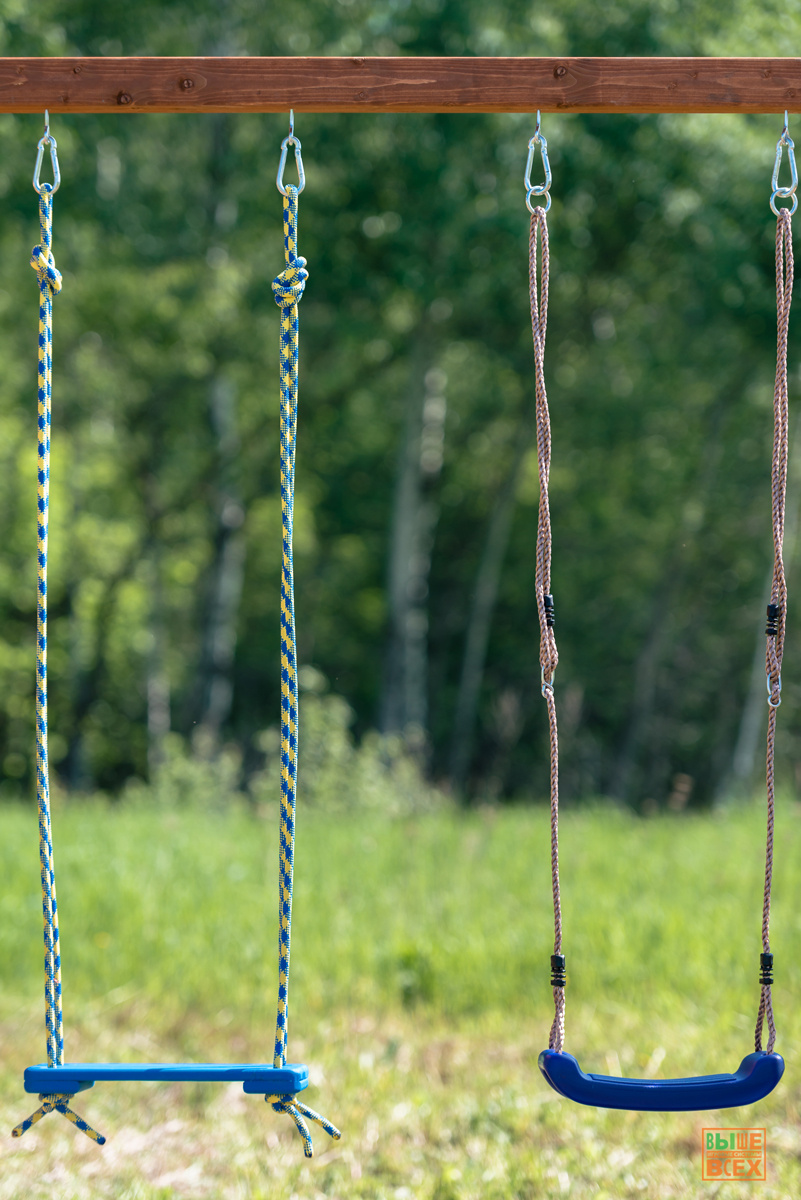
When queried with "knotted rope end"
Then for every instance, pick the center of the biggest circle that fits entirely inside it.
(58, 1103)
(290, 1105)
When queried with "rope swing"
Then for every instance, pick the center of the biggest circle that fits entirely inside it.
(759, 1072)
(288, 290)
(57, 1082)
(43, 263)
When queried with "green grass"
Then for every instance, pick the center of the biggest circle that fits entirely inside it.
(419, 996)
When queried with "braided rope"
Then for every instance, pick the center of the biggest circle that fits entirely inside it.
(288, 290)
(549, 657)
(49, 286)
(778, 590)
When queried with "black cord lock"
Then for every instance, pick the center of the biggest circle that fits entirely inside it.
(772, 627)
(550, 615)
(558, 976)
(766, 969)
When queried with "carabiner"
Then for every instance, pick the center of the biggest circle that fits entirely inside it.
(784, 193)
(541, 189)
(774, 703)
(47, 140)
(290, 140)
(546, 685)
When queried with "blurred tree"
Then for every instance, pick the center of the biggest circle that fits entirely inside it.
(414, 464)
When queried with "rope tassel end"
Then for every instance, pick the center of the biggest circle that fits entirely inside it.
(58, 1104)
(290, 1105)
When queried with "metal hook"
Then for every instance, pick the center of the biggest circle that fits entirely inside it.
(290, 140)
(47, 139)
(784, 193)
(541, 189)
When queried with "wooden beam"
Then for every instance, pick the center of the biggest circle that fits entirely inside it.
(579, 85)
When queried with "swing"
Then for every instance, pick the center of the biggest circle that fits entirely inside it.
(760, 1071)
(57, 1082)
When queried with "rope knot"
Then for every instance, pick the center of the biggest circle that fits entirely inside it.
(289, 285)
(44, 265)
(290, 1105)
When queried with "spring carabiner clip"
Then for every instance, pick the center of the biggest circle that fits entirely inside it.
(540, 189)
(290, 140)
(47, 140)
(784, 193)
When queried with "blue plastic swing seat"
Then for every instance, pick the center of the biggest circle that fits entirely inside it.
(756, 1076)
(78, 1077)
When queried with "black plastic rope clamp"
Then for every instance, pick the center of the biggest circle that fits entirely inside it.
(766, 969)
(558, 976)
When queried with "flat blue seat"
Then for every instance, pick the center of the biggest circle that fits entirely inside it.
(756, 1076)
(78, 1077)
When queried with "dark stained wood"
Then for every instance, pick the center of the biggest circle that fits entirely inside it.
(633, 85)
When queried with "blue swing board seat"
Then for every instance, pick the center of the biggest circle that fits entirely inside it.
(79, 1077)
(756, 1076)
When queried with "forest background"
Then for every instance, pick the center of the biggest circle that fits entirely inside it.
(417, 485)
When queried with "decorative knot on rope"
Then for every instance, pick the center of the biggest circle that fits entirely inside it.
(44, 265)
(288, 286)
(58, 1103)
(292, 1106)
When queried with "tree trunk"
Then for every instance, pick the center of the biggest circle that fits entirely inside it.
(158, 680)
(226, 575)
(479, 623)
(226, 578)
(404, 702)
(646, 673)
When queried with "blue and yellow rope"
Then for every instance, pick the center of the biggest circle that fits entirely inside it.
(288, 290)
(49, 286)
(58, 1104)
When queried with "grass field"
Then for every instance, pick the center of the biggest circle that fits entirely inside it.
(419, 998)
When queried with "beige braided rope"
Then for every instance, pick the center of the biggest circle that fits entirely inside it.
(549, 657)
(775, 644)
(778, 590)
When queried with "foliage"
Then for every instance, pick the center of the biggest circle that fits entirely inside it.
(450, 911)
(419, 996)
(661, 338)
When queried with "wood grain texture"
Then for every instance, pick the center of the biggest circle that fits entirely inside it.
(633, 85)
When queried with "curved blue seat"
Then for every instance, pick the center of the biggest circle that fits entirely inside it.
(256, 1079)
(756, 1076)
